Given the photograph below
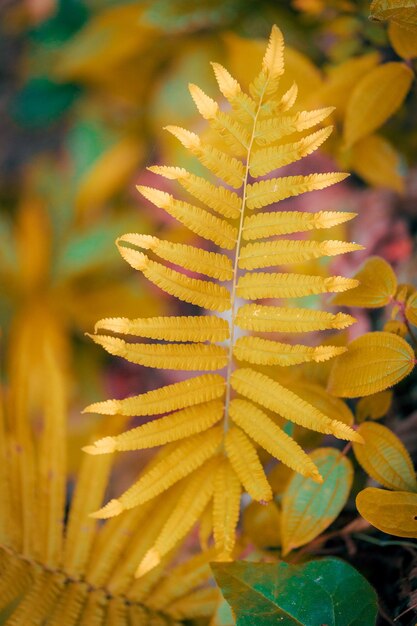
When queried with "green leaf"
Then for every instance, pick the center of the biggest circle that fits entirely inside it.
(42, 101)
(308, 508)
(328, 591)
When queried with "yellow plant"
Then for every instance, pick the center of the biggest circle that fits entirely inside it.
(213, 423)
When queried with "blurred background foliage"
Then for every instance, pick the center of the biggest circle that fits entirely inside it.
(86, 87)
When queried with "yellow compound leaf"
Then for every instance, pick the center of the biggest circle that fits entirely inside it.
(374, 407)
(403, 39)
(377, 162)
(263, 318)
(375, 98)
(309, 508)
(384, 458)
(411, 309)
(372, 363)
(393, 512)
(172, 328)
(377, 286)
(245, 461)
(266, 83)
(269, 224)
(285, 251)
(173, 356)
(268, 352)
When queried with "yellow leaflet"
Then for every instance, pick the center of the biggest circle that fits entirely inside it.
(221, 164)
(284, 251)
(264, 318)
(213, 264)
(270, 437)
(267, 352)
(373, 407)
(204, 293)
(200, 604)
(173, 427)
(411, 309)
(385, 458)
(372, 363)
(403, 39)
(377, 285)
(393, 512)
(266, 192)
(287, 222)
(196, 219)
(266, 83)
(317, 395)
(377, 162)
(273, 129)
(265, 160)
(375, 98)
(194, 498)
(180, 462)
(270, 394)
(232, 91)
(288, 100)
(172, 328)
(245, 461)
(218, 198)
(172, 356)
(256, 285)
(169, 398)
(309, 508)
(402, 12)
(226, 507)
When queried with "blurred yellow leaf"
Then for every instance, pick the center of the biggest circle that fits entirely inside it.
(108, 174)
(377, 285)
(375, 98)
(341, 79)
(261, 524)
(377, 162)
(399, 11)
(411, 309)
(308, 508)
(374, 407)
(384, 458)
(396, 328)
(403, 39)
(393, 512)
(372, 363)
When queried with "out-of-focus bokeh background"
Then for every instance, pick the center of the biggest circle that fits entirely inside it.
(86, 87)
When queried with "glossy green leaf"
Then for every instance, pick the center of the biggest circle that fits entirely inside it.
(328, 591)
(308, 508)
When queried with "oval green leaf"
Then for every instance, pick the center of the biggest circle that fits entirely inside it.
(308, 508)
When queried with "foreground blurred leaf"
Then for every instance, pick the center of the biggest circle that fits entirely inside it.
(267, 594)
(261, 524)
(384, 458)
(375, 98)
(377, 162)
(403, 39)
(377, 285)
(393, 512)
(372, 363)
(308, 508)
